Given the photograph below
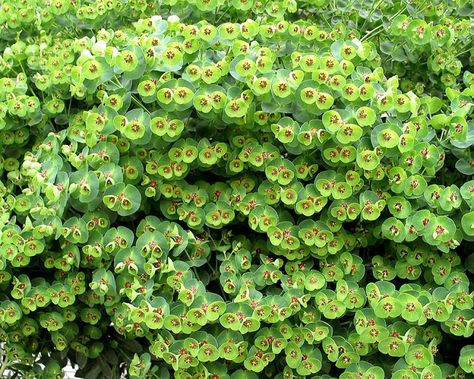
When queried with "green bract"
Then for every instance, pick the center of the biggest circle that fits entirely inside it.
(236, 189)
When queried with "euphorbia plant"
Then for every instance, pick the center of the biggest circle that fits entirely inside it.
(235, 189)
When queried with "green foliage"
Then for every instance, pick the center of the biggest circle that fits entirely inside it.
(236, 189)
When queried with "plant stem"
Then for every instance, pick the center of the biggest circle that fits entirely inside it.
(464, 51)
(378, 29)
(3, 367)
(139, 103)
(372, 10)
(134, 99)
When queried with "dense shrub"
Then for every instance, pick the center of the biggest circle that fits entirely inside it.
(235, 189)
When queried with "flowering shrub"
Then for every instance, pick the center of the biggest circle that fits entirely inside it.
(237, 189)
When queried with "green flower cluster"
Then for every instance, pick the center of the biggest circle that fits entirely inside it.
(242, 189)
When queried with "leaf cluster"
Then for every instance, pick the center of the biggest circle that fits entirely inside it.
(236, 189)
